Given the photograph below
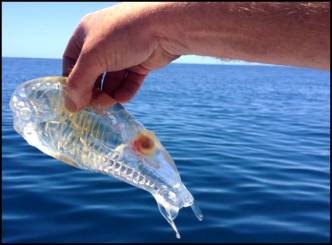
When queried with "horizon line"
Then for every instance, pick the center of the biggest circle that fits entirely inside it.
(222, 62)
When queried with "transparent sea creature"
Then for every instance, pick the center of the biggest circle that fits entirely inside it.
(112, 142)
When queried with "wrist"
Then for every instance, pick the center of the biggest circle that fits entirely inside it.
(168, 25)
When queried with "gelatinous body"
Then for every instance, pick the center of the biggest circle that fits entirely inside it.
(112, 142)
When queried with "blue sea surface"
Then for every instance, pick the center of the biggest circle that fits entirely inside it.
(251, 143)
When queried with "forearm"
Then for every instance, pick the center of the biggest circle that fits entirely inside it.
(279, 33)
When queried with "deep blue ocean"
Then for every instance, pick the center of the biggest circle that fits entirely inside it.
(251, 143)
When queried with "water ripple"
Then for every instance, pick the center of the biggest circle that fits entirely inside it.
(251, 143)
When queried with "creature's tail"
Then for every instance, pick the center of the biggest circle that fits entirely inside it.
(171, 201)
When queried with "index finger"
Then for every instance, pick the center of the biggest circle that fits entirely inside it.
(73, 50)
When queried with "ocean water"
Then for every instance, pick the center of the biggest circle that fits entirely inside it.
(252, 144)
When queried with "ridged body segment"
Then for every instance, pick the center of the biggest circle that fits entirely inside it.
(112, 142)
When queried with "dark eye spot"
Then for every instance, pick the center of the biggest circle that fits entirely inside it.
(144, 143)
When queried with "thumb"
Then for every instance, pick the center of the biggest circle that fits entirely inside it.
(80, 83)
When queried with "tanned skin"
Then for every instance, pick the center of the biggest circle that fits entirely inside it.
(130, 40)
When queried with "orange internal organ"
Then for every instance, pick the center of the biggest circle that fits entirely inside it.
(144, 143)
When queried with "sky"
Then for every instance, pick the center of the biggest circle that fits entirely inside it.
(42, 30)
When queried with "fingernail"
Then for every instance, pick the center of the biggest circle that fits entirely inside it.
(70, 105)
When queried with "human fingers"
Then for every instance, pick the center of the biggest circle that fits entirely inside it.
(80, 82)
(73, 50)
(129, 86)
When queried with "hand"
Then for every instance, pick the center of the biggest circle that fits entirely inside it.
(132, 39)
(121, 41)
